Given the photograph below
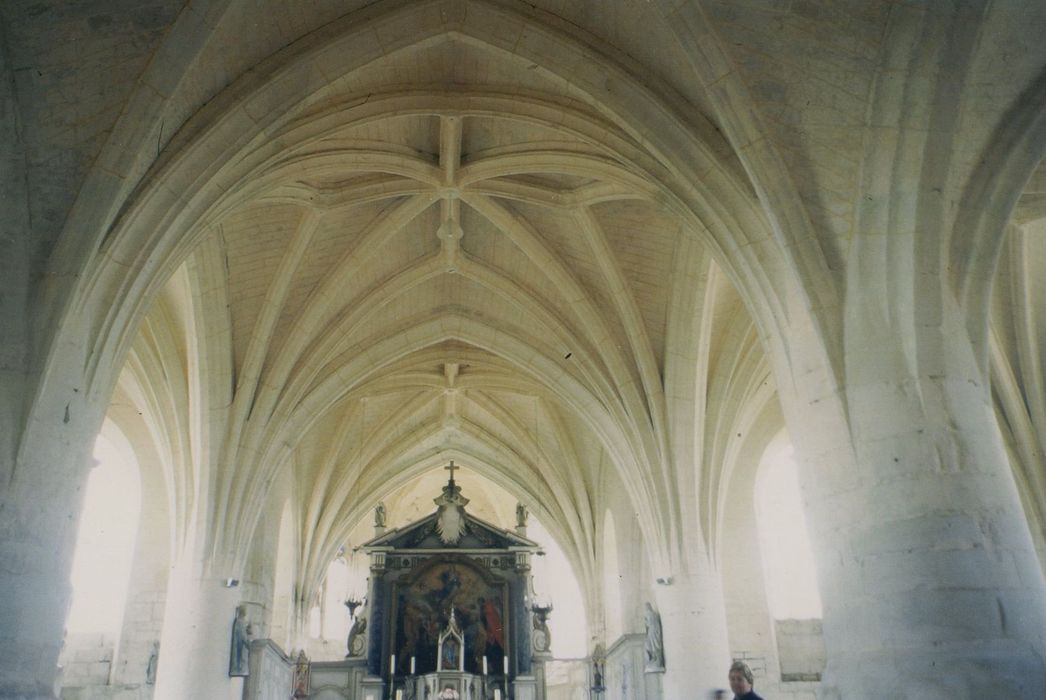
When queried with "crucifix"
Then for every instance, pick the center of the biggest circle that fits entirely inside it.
(451, 469)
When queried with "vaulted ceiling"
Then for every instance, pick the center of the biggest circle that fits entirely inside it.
(452, 256)
(379, 236)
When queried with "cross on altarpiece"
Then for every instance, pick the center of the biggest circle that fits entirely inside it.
(451, 469)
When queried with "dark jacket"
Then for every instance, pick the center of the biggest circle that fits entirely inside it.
(750, 695)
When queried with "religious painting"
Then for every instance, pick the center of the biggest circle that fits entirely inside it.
(422, 611)
(450, 656)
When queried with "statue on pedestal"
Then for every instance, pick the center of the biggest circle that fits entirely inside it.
(599, 659)
(302, 671)
(241, 640)
(357, 636)
(654, 647)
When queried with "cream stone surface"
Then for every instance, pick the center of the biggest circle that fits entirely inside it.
(302, 254)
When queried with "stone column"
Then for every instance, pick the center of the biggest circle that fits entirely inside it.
(196, 640)
(376, 614)
(929, 578)
(43, 473)
(693, 622)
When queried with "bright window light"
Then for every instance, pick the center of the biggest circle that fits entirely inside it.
(554, 579)
(335, 590)
(315, 622)
(785, 545)
(105, 543)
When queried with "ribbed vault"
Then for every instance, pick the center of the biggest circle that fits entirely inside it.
(491, 271)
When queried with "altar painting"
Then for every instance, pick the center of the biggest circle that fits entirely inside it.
(423, 610)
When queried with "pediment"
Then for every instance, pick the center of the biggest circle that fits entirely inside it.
(421, 535)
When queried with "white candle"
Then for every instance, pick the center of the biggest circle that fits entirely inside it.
(392, 664)
(412, 665)
(506, 665)
(484, 665)
(399, 695)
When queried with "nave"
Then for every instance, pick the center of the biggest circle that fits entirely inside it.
(617, 261)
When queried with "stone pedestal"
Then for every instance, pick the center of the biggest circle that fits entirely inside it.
(372, 688)
(525, 688)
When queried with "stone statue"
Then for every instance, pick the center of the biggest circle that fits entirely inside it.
(357, 636)
(655, 651)
(599, 658)
(150, 668)
(540, 637)
(302, 672)
(521, 515)
(241, 640)
(379, 515)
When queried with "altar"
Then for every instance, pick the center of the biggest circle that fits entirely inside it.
(450, 606)
(451, 681)
(449, 686)
(448, 614)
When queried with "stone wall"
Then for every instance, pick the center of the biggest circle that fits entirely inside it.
(801, 658)
(567, 679)
(800, 647)
(143, 622)
(86, 663)
(271, 672)
(86, 660)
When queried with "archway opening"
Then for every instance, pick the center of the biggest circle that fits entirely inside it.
(102, 563)
(554, 579)
(784, 542)
(793, 596)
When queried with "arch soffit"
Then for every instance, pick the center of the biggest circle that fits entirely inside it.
(1018, 147)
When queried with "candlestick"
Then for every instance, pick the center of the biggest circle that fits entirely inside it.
(412, 665)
